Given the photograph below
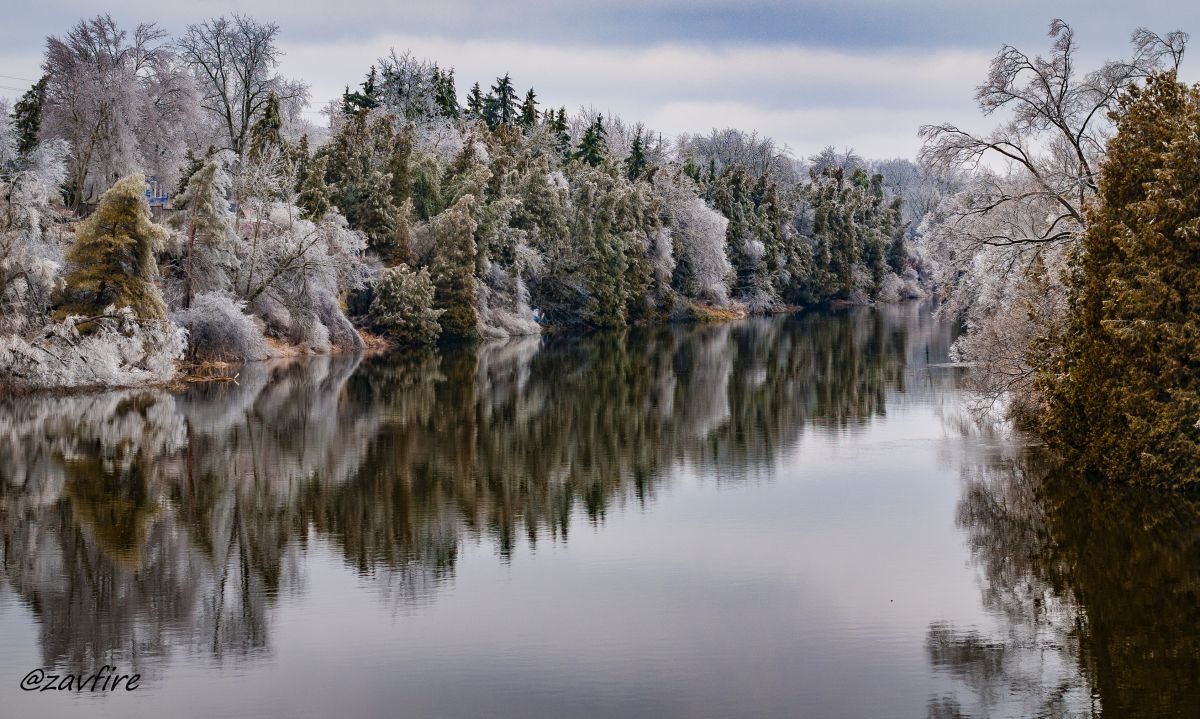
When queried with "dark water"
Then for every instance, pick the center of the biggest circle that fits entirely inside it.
(790, 517)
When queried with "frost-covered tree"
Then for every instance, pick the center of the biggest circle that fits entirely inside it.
(234, 62)
(453, 268)
(702, 269)
(30, 253)
(403, 307)
(1009, 232)
(207, 224)
(120, 100)
(112, 263)
(219, 330)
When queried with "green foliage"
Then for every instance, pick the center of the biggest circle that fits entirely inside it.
(593, 147)
(454, 269)
(475, 103)
(1123, 387)
(403, 306)
(500, 105)
(365, 98)
(529, 113)
(265, 133)
(27, 116)
(444, 94)
(112, 260)
(635, 163)
(315, 196)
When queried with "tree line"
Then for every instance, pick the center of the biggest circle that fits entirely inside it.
(406, 212)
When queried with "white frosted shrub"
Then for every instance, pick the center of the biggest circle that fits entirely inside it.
(219, 329)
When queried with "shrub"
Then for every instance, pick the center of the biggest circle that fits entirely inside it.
(218, 330)
(403, 306)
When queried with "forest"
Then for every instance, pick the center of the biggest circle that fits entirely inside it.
(164, 202)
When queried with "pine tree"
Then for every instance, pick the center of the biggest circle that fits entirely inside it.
(444, 94)
(502, 110)
(593, 146)
(559, 130)
(529, 113)
(475, 103)
(112, 261)
(1124, 388)
(635, 163)
(365, 98)
(454, 269)
(403, 306)
(204, 216)
(265, 133)
(27, 116)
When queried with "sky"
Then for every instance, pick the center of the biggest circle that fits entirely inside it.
(861, 74)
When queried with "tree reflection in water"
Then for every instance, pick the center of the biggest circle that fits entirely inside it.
(135, 523)
(1097, 590)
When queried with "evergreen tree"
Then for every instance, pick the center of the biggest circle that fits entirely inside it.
(691, 169)
(265, 133)
(315, 197)
(529, 113)
(475, 103)
(454, 269)
(27, 116)
(502, 109)
(402, 307)
(444, 94)
(204, 216)
(560, 131)
(1124, 387)
(365, 98)
(635, 164)
(593, 146)
(112, 261)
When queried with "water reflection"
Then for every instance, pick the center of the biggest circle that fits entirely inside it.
(142, 525)
(135, 522)
(1097, 592)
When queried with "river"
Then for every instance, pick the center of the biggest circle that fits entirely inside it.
(792, 516)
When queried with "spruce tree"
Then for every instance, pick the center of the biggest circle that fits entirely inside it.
(265, 133)
(529, 113)
(475, 103)
(444, 94)
(635, 163)
(365, 98)
(1124, 386)
(503, 110)
(112, 261)
(27, 116)
(593, 146)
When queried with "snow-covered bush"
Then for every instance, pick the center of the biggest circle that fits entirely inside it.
(119, 350)
(403, 306)
(218, 329)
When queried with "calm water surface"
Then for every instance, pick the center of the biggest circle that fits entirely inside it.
(786, 517)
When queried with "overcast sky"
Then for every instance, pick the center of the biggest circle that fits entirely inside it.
(850, 73)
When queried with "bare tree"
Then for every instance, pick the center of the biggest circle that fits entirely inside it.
(1058, 125)
(234, 62)
(116, 99)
